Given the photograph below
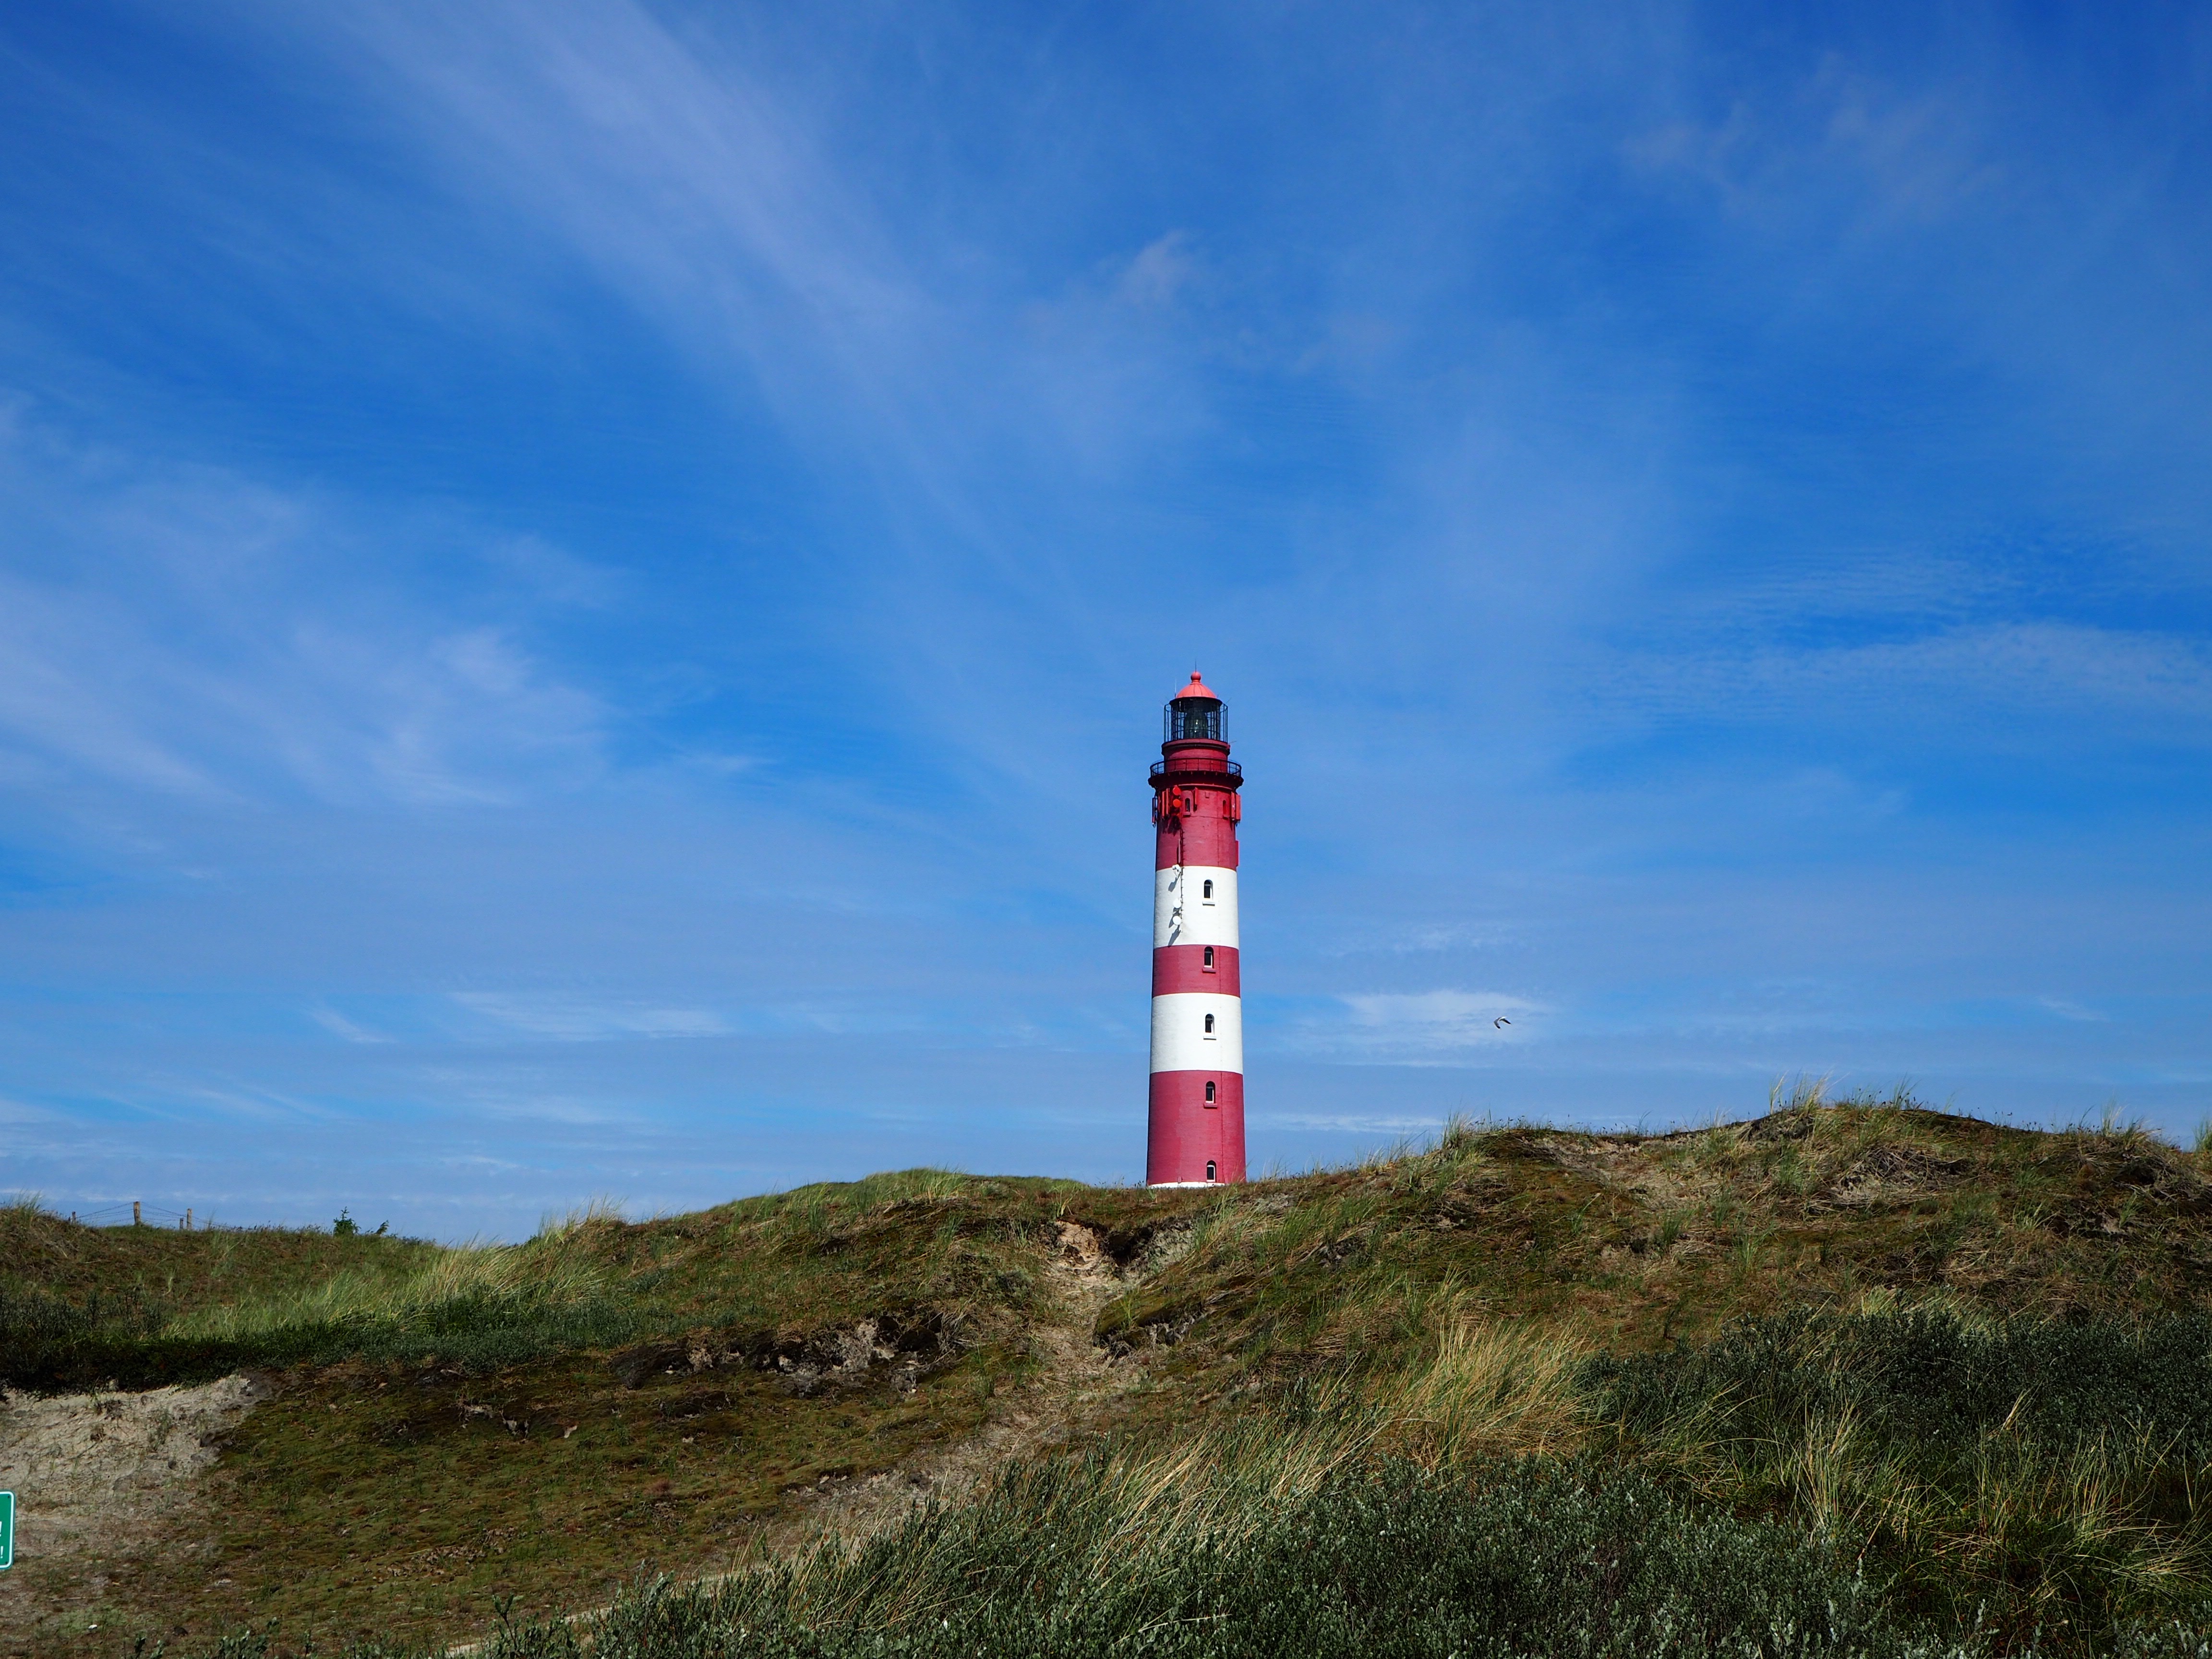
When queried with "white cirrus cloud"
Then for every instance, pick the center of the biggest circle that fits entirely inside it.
(2000, 673)
(1448, 1017)
(582, 1019)
(1350, 1123)
(2067, 1008)
(1419, 1028)
(339, 1026)
(190, 632)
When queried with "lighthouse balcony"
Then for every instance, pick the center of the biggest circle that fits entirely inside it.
(1178, 766)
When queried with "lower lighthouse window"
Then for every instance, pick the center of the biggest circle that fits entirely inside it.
(1209, 1168)
(1209, 1094)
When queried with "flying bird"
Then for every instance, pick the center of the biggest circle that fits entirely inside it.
(1495, 1023)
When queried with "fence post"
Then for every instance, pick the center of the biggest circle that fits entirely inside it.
(135, 1219)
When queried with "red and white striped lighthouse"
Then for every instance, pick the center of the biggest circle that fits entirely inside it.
(1197, 1116)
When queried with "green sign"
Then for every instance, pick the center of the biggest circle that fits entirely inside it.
(7, 1530)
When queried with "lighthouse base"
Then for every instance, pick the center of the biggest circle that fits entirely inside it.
(1193, 1143)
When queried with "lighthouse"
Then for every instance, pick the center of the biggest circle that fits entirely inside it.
(1196, 1120)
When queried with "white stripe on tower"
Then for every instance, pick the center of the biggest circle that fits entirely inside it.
(1194, 904)
(1198, 1031)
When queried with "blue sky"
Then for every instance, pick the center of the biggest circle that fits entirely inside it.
(585, 588)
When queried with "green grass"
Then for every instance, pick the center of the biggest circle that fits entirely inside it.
(1079, 1558)
(648, 1369)
(1262, 1539)
(137, 1307)
(1249, 1543)
(1949, 1369)
(412, 1507)
(2043, 1475)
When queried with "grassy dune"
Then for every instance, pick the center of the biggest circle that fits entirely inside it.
(1849, 1378)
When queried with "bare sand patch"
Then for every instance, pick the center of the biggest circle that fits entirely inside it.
(99, 1480)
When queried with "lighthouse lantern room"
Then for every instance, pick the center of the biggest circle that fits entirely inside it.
(1196, 1126)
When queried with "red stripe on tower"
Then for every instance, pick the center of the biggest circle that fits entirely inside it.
(1196, 1126)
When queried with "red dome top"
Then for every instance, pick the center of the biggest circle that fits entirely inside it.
(1196, 689)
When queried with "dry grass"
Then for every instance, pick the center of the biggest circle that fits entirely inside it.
(1486, 1388)
(1479, 1391)
(560, 1265)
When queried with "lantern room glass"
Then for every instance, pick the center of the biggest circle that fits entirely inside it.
(1188, 718)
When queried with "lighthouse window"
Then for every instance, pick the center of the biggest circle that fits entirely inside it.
(1209, 958)
(1193, 717)
(1209, 1094)
(1209, 1168)
(1209, 1025)
(1208, 893)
